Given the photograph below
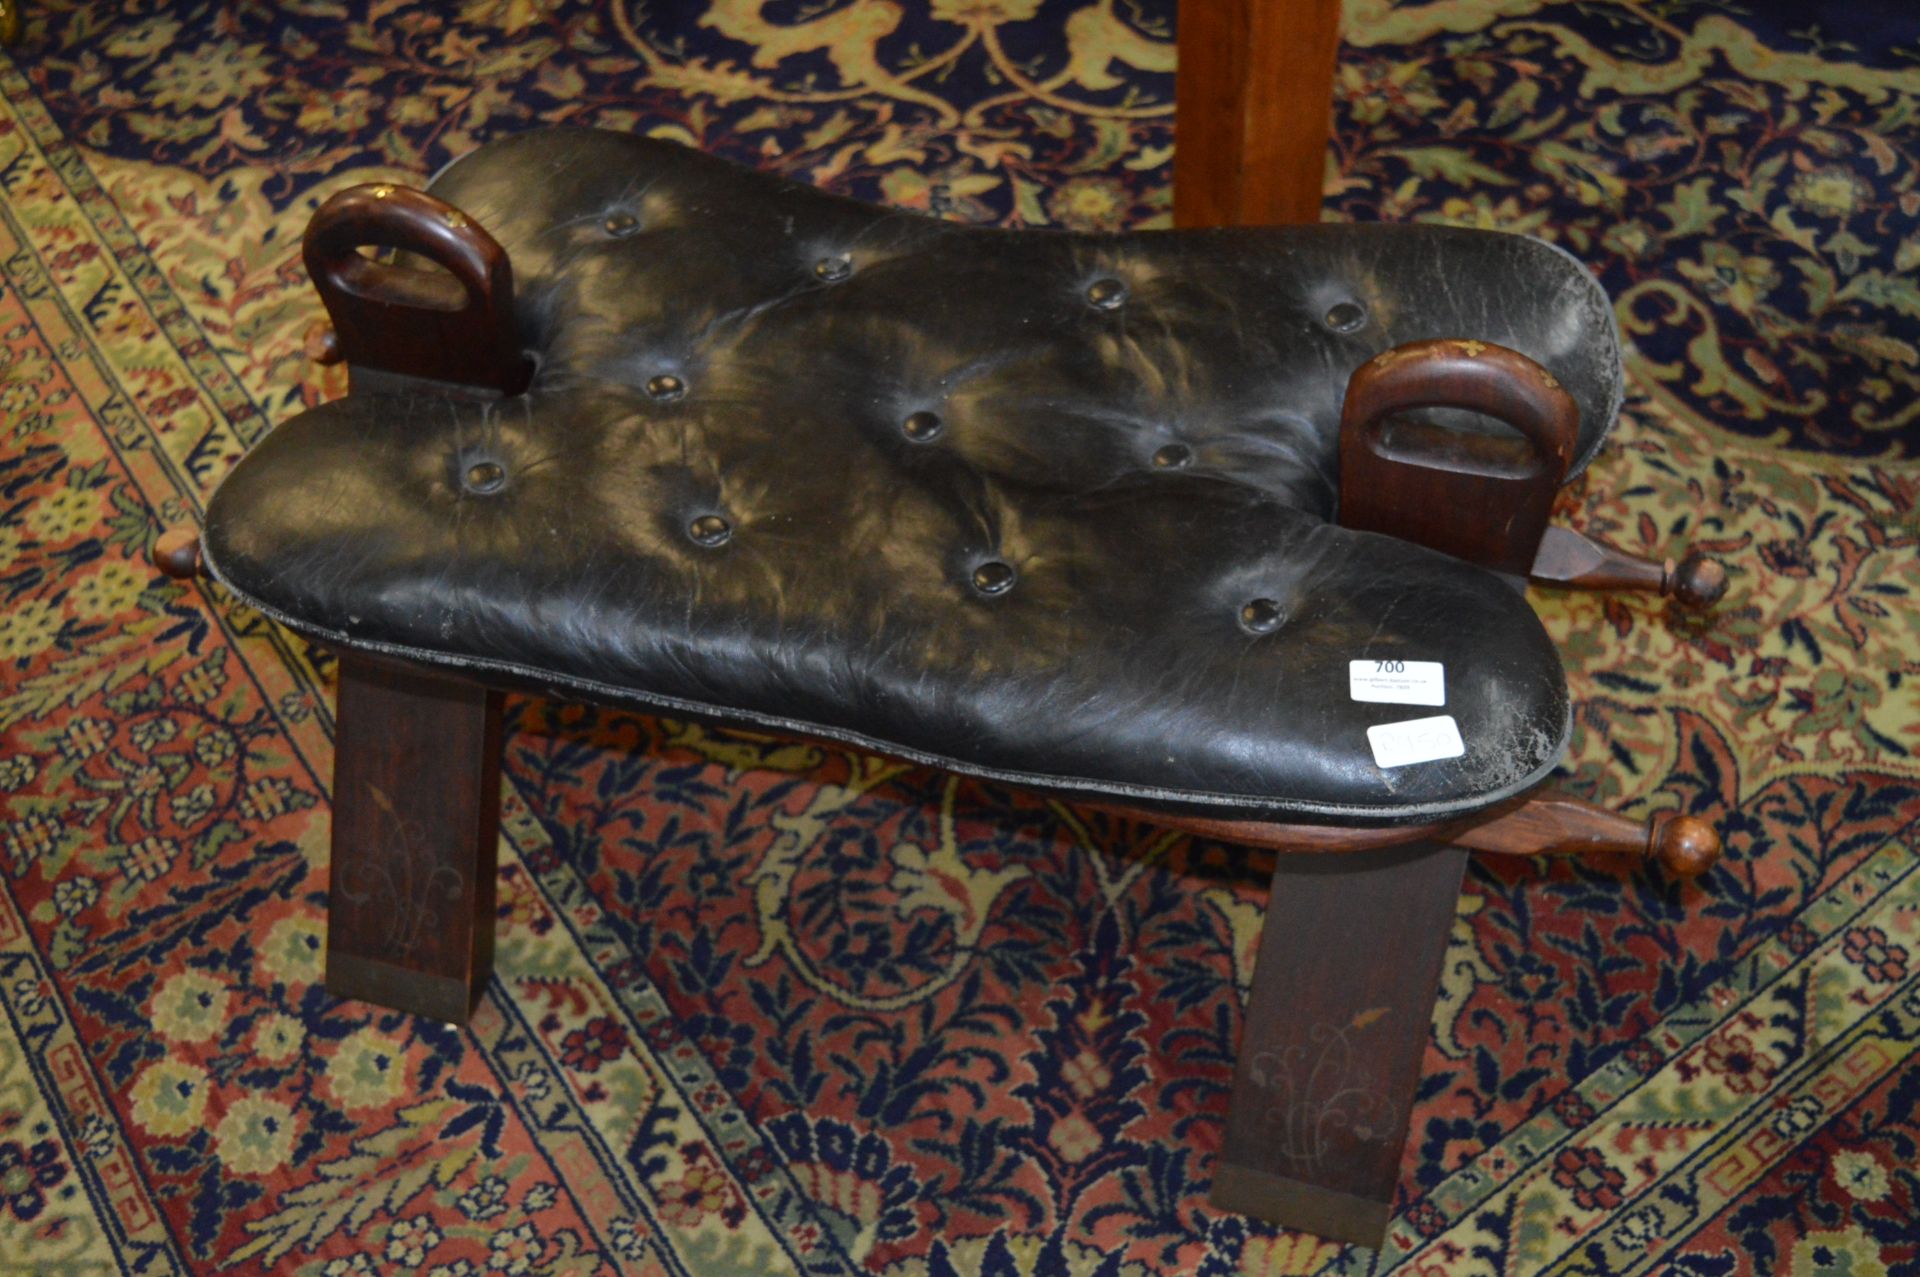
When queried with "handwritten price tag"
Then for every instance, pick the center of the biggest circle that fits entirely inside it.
(1418, 740)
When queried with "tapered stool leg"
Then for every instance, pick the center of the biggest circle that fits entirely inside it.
(1336, 1026)
(416, 819)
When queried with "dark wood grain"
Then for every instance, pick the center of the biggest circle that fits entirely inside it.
(449, 321)
(1335, 1031)
(1484, 498)
(416, 818)
(1252, 111)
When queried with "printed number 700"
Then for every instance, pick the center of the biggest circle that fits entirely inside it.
(1389, 667)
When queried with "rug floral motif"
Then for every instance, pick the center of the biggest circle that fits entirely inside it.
(773, 1008)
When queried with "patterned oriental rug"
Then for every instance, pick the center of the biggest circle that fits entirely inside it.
(767, 1008)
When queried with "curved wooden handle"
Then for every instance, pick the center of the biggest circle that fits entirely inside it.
(453, 325)
(1462, 493)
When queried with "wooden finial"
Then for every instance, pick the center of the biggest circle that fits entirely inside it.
(176, 552)
(1570, 558)
(1699, 582)
(322, 343)
(1685, 846)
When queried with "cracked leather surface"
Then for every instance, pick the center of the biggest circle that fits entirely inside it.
(1027, 504)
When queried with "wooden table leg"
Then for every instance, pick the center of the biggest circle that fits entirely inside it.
(416, 820)
(1253, 102)
(1336, 1027)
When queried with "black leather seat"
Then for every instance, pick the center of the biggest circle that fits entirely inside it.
(1049, 507)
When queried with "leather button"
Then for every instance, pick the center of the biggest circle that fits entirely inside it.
(1262, 616)
(1346, 317)
(1106, 294)
(1173, 456)
(486, 476)
(620, 225)
(666, 386)
(710, 530)
(831, 270)
(993, 577)
(923, 426)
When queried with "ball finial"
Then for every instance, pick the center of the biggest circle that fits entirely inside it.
(322, 343)
(1699, 582)
(1685, 846)
(177, 553)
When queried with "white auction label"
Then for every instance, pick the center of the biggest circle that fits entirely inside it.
(1398, 682)
(1418, 740)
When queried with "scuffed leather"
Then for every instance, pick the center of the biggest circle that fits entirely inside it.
(843, 602)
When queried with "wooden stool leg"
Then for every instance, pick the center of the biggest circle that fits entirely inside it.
(1253, 108)
(1336, 1026)
(416, 819)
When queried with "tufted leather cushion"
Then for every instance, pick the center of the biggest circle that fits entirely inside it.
(1033, 505)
